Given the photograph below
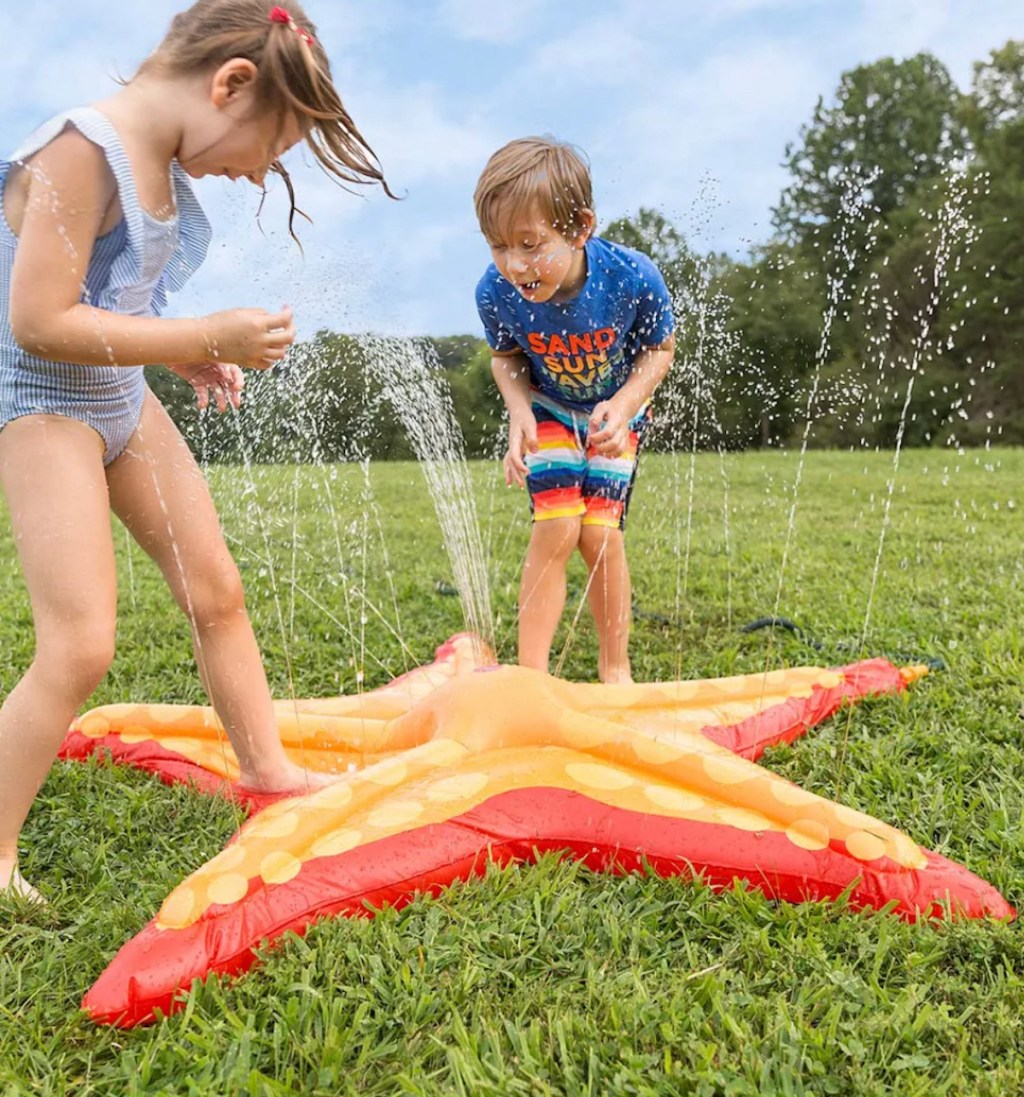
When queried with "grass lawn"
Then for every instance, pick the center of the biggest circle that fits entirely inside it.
(548, 979)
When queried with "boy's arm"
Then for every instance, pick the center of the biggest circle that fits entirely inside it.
(511, 371)
(610, 419)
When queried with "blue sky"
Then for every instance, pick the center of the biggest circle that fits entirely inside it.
(680, 105)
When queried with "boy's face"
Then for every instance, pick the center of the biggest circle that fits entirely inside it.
(540, 261)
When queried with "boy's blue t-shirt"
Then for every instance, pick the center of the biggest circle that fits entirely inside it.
(581, 351)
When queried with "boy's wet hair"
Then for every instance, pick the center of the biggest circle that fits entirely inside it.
(551, 175)
(293, 76)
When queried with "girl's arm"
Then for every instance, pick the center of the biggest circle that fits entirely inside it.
(70, 189)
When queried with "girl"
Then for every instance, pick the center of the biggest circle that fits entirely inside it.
(100, 222)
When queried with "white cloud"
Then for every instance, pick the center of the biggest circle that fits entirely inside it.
(958, 32)
(420, 133)
(727, 9)
(729, 116)
(609, 46)
(492, 22)
(345, 26)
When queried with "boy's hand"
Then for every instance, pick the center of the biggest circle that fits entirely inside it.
(522, 439)
(609, 429)
(222, 380)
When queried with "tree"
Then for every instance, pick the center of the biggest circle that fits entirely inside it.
(994, 110)
(894, 285)
(987, 316)
(478, 404)
(893, 124)
(653, 234)
(455, 352)
(775, 320)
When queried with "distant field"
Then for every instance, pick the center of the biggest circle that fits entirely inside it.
(549, 979)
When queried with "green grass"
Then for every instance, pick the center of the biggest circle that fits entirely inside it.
(548, 979)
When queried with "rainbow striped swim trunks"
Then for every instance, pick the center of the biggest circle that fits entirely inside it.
(567, 478)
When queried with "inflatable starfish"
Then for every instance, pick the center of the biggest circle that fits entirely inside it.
(464, 762)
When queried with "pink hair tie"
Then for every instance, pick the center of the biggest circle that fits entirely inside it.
(280, 15)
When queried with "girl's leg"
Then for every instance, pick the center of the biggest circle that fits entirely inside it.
(162, 497)
(542, 589)
(51, 469)
(611, 598)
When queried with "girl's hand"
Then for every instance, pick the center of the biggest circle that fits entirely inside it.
(522, 439)
(222, 380)
(253, 338)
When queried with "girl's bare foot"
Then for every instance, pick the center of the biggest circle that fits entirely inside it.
(18, 887)
(289, 778)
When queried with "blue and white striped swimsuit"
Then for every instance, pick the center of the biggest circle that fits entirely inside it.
(131, 270)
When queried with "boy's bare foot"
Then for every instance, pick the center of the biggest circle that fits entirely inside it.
(620, 676)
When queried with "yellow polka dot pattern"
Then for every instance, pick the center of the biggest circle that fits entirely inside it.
(361, 807)
(808, 834)
(365, 809)
(188, 730)
(431, 748)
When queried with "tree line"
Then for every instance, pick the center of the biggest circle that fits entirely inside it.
(887, 305)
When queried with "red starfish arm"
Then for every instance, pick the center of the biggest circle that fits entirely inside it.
(782, 723)
(154, 968)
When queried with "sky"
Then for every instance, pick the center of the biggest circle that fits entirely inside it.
(681, 105)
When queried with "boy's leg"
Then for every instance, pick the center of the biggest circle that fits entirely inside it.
(554, 481)
(610, 595)
(542, 589)
(51, 469)
(606, 492)
(160, 494)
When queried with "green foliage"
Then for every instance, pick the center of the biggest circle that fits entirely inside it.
(987, 317)
(476, 399)
(890, 303)
(893, 302)
(893, 125)
(775, 313)
(994, 111)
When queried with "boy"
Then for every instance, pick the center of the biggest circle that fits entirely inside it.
(581, 334)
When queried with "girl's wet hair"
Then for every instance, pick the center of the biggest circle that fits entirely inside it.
(293, 77)
(540, 172)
